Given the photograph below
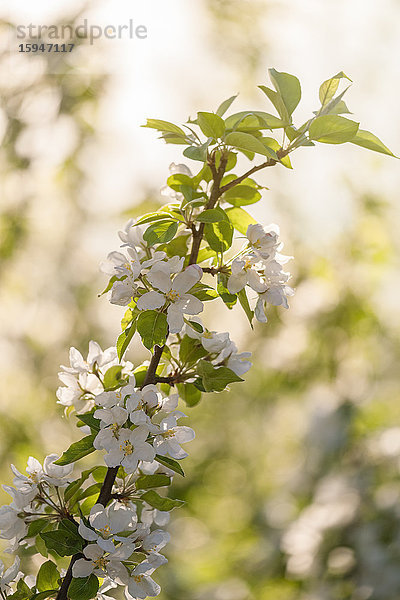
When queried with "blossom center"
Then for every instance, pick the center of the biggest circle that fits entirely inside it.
(115, 429)
(172, 295)
(126, 448)
(208, 335)
(100, 563)
(106, 530)
(169, 433)
(247, 264)
(137, 578)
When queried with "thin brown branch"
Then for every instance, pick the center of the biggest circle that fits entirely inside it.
(214, 197)
(268, 163)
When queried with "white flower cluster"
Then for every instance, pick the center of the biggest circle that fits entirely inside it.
(9, 576)
(156, 281)
(114, 534)
(142, 408)
(135, 426)
(83, 378)
(260, 267)
(31, 494)
(221, 349)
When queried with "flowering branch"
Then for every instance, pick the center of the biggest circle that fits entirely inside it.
(110, 518)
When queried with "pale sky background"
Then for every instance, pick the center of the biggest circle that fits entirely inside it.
(177, 71)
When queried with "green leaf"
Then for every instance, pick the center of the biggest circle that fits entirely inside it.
(190, 350)
(248, 142)
(241, 195)
(278, 102)
(152, 327)
(368, 140)
(77, 450)
(113, 377)
(329, 88)
(216, 379)
(288, 86)
(253, 120)
(47, 577)
(41, 547)
(83, 588)
(42, 595)
(64, 544)
(177, 180)
(23, 592)
(88, 419)
(150, 218)
(92, 490)
(36, 527)
(189, 393)
(225, 105)
(127, 319)
(160, 502)
(110, 283)
(211, 215)
(228, 298)
(211, 125)
(240, 219)
(74, 486)
(164, 126)
(197, 152)
(242, 295)
(145, 482)
(161, 232)
(196, 326)
(333, 129)
(171, 464)
(219, 235)
(124, 339)
(339, 108)
(176, 247)
(203, 292)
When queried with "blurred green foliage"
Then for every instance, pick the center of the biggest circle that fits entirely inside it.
(292, 484)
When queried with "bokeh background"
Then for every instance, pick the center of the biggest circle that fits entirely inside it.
(292, 483)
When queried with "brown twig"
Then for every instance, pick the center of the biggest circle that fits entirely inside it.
(214, 197)
(268, 163)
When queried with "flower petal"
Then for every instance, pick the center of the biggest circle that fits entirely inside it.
(150, 301)
(187, 279)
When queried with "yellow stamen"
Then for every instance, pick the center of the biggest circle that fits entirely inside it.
(169, 433)
(105, 530)
(172, 295)
(100, 563)
(126, 448)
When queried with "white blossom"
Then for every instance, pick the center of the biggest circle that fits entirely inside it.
(264, 240)
(56, 474)
(116, 397)
(156, 540)
(128, 448)
(10, 575)
(172, 436)
(244, 272)
(141, 584)
(11, 526)
(132, 236)
(141, 400)
(173, 293)
(107, 522)
(103, 564)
